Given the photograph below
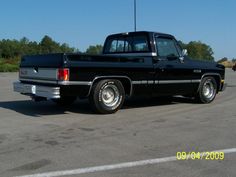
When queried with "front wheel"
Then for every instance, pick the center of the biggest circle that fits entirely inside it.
(107, 96)
(207, 90)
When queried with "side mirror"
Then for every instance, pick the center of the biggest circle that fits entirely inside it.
(184, 53)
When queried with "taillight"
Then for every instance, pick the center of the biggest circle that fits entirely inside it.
(63, 74)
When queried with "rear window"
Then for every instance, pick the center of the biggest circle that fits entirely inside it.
(127, 44)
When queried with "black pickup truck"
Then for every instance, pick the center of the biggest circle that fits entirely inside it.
(135, 63)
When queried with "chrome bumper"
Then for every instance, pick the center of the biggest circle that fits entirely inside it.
(37, 90)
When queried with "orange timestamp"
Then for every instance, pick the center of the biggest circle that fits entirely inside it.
(213, 155)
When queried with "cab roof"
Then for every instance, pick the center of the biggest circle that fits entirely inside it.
(149, 33)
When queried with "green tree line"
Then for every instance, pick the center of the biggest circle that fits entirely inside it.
(12, 50)
(16, 48)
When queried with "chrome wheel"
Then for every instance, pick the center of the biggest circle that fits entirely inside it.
(110, 95)
(208, 89)
(107, 96)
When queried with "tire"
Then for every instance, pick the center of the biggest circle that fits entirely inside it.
(107, 96)
(207, 90)
(65, 100)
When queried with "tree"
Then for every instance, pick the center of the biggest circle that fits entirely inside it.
(49, 46)
(94, 49)
(12, 49)
(9, 48)
(33, 48)
(198, 50)
(65, 48)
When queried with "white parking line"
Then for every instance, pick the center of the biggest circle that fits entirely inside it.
(115, 166)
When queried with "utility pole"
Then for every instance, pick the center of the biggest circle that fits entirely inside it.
(135, 15)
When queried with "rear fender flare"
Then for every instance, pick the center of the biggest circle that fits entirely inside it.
(97, 78)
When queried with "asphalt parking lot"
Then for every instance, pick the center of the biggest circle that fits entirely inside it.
(38, 138)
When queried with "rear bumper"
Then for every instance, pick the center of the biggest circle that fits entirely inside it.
(37, 90)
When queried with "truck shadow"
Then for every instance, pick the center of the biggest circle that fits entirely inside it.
(154, 101)
(39, 109)
(44, 108)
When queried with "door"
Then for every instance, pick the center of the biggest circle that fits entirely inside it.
(172, 75)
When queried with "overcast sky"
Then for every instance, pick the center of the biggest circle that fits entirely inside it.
(81, 23)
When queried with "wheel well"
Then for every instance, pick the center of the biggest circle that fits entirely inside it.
(126, 82)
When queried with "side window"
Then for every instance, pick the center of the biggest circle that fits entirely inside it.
(179, 49)
(166, 47)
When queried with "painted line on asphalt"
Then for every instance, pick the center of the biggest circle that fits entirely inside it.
(117, 166)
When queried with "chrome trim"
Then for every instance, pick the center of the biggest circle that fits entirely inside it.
(148, 54)
(37, 90)
(210, 74)
(140, 82)
(136, 82)
(39, 81)
(150, 82)
(74, 82)
(144, 82)
(165, 81)
(108, 77)
(196, 80)
(174, 81)
(59, 82)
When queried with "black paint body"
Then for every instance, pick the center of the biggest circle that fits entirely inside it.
(142, 73)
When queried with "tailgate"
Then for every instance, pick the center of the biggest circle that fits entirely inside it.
(41, 68)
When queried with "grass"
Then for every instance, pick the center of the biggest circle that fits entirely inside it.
(9, 65)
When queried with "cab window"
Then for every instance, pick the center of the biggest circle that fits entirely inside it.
(127, 44)
(166, 48)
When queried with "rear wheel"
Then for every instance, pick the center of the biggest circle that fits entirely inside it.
(65, 100)
(207, 90)
(107, 96)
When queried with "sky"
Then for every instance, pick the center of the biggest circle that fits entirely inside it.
(81, 23)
